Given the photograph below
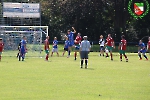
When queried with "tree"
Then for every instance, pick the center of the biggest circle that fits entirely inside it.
(92, 18)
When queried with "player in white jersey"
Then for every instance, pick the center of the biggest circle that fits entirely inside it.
(102, 44)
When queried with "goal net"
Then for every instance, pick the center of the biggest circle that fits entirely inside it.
(12, 35)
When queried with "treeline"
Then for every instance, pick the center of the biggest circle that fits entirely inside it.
(92, 18)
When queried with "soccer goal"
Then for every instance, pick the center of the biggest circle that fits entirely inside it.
(12, 35)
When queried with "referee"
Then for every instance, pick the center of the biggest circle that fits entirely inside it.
(84, 51)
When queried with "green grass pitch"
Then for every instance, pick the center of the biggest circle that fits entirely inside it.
(62, 78)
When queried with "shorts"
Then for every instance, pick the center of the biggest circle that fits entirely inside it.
(65, 49)
(22, 51)
(77, 47)
(122, 51)
(55, 50)
(71, 44)
(84, 54)
(143, 51)
(102, 48)
(47, 51)
(109, 48)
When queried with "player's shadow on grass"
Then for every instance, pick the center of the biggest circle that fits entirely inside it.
(90, 68)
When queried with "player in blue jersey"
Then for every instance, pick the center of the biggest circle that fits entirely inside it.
(55, 46)
(142, 49)
(66, 45)
(71, 40)
(23, 49)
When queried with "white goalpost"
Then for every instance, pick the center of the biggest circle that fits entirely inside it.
(12, 35)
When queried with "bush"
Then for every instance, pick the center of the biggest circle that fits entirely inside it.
(96, 48)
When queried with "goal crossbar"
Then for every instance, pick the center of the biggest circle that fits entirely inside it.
(25, 26)
(24, 31)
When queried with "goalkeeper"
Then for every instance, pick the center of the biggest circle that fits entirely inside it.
(19, 47)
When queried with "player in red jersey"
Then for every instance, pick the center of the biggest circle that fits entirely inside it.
(46, 47)
(77, 42)
(110, 45)
(148, 45)
(122, 48)
(1, 47)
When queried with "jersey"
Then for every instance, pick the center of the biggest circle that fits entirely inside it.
(23, 43)
(78, 40)
(66, 44)
(101, 42)
(109, 41)
(142, 46)
(123, 44)
(71, 37)
(148, 44)
(1, 46)
(55, 43)
(46, 45)
(85, 45)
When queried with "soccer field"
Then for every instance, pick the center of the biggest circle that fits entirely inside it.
(63, 79)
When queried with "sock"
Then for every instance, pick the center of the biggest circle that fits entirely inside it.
(145, 56)
(140, 56)
(46, 57)
(111, 56)
(107, 54)
(22, 57)
(75, 55)
(52, 54)
(126, 57)
(120, 56)
(69, 53)
(57, 54)
(18, 55)
(86, 62)
(81, 62)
